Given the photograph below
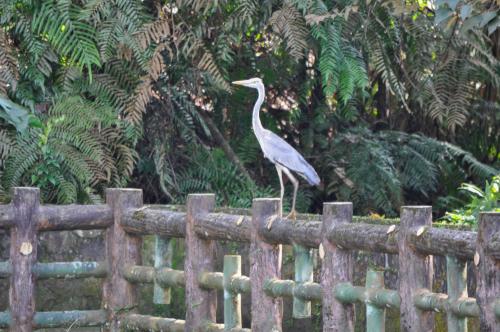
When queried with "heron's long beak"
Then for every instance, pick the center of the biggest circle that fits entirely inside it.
(244, 82)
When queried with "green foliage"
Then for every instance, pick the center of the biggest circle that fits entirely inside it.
(80, 148)
(377, 170)
(487, 200)
(210, 171)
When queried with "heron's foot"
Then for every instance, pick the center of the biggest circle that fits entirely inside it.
(292, 215)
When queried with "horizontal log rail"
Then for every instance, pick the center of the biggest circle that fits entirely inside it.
(354, 236)
(126, 220)
(166, 277)
(151, 323)
(309, 291)
(347, 293)
(64, 217)
(462, 307)
(61, 270)
(50, 319)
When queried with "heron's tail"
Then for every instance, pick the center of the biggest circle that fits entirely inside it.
(311, 176)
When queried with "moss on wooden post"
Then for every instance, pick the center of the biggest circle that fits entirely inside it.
(487, 272)
(375, 315)
(68, 270)
(163, 258)
(122, 249)
(23, 256)
(337, 268)
(232, 301)
(303, 273)
(456, 282)
(135, 322)
(72, 319)
(265, 264)
(201, 303)
(415, 269)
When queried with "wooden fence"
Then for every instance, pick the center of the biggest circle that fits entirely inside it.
(126, 220)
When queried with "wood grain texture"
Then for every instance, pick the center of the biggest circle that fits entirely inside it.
(265, 264)
(415, 270)
(201, 304)
(23, 256)
(337, 268)
(122, 249)
(487, 272)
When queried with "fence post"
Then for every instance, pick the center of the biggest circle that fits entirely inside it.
(232, 301)
(265, 264)
(23, 256)
(337, 268)
(375, 315)
(487, 274)
(163, 258)
(122, 249)
(303, 273)
(415, 270)
(201, 304)
(456, 284)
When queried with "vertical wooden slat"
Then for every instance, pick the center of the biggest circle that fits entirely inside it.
(163, 258)
(23, 256)
(201, 304)
(487, 271)
(375, 316)
(265, 264)
(232, 301)
(337, 268)
(122, 249)
(415, 270)
(303, 273)
(456, 284)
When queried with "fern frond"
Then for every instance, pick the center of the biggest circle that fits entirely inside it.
(288, 22)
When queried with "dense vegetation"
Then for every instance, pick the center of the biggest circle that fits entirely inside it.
(392, 102)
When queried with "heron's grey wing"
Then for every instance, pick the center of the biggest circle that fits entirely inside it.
(279, 151)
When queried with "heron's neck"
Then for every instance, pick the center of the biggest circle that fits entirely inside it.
(256, 124)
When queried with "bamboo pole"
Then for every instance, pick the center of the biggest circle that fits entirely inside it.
(75, 318)
(63, 270)
(375, 315)
(456, 282)
(163, 259)
(303, 273)
(232, 301)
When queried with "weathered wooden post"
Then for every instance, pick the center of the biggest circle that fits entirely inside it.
(487, 271)
(265, 264)
(232, 301)
(163, 258)
(337, 268)
(122, 249)
(456, 284)
(201, 304)
(415, 270)
(375, 315)
(23, 256)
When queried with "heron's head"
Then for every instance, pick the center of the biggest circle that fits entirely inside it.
(251, 82)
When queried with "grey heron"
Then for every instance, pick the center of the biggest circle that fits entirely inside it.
(278, 151)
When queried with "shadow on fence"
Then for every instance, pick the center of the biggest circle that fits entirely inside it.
(127, 220)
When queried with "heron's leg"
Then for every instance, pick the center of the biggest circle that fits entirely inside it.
(295, 182)
(280, 175)
(282, 188)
